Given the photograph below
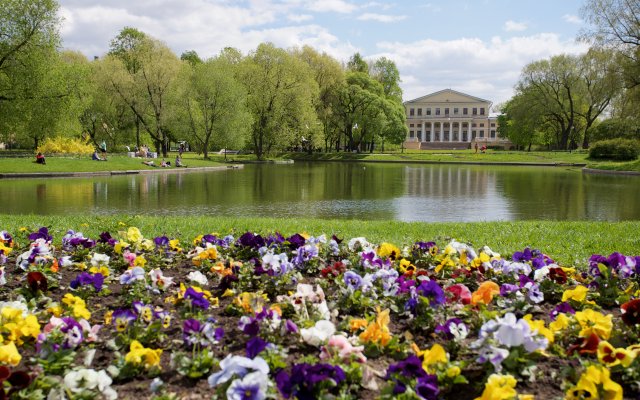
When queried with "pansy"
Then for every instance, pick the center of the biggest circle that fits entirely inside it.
(340, 346)
(239, 366)
(389, 250)
(377, 332)
(132, 275)
(98, 260)
(86, 380)
(595, 382)
(319, 333)
(9, 354)
(198, 277)
(592, 321)
(611, 356)
(305, 379)
(499, 387)
(435, 355)
(631, 312)
(277, 264)
(196, 298)
(432, 291)
(159, 280)
(459, 293)
(578, 294)
(146, 357)
(453, 328)
(485, 293)
(77, 305)
(352, 280)
(252, 386)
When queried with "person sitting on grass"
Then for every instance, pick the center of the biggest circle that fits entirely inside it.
(165, 163)
(40, 158)
(96, 157)
(149, 163)
(179, 161)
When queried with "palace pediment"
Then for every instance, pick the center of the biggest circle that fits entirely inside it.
(447, 96)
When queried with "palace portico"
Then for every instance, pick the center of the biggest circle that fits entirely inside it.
(450, 120)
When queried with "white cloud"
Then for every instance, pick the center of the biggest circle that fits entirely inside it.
(381, 17)
(513, 26)
(339, 6)
(299, 17)
(572, 19)
(487, 69)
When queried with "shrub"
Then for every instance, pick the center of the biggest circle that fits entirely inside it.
(65, 145)
(615, 149)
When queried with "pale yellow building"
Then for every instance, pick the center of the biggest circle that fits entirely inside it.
(451, 120)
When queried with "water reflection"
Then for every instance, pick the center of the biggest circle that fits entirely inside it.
(340, 190)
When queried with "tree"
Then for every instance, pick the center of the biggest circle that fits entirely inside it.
(522, 119)
(385, 71)
(601, 83)
(554, 84)
(357, 64)
(281, 97)
(330, 77)
(142, 81)
(191, 57)
(213, 105)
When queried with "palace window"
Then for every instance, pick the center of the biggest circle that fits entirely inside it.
(410, 125)
(482, 111)
(428, 111)
(473, 125)
(411, 112)
(419, 125)
(475, 111)
(473, 135)
(446, 111)
(493, 125)
(465, 111)
(482, 125)
(419, 111)
(493, 134)
(411, 134)
(481, 134)
(455, 111)
(437, 111)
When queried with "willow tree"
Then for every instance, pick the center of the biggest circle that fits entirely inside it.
(145, 90)
(211, 105)
(281, 96)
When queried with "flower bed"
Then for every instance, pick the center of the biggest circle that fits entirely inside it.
(256, 317)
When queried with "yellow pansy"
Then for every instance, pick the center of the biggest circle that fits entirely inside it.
(611, 356)
(174, 244)
(134, 234)
(446, 262)
(120, 246)
(100, 270)
(146, 357)
(481, 259)
(357, 324)
(594, 322)
(77, 305)
(140, 261)
(388, 250)
(9, 354)
(432, 356)
(378, 331)
(578, 294)
(499, 387)
(405, 266)
(453, 371)
(595, 383)
(538, 325)
(5, 249)
(561, 323)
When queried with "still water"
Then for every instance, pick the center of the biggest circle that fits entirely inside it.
(340, 190)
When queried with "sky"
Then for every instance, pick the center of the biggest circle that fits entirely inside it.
(478, 47)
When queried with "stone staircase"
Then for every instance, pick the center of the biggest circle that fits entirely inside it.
(444, 146)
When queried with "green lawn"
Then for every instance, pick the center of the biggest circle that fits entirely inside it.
(120, 162)
(566, 242)
(85, 164)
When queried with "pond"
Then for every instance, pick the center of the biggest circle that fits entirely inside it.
(340, 190)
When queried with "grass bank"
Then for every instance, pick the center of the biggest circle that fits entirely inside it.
(85, 164)
(490, 157)
(567, 242)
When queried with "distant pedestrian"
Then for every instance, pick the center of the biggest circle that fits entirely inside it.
(476, 146)
(103, 149)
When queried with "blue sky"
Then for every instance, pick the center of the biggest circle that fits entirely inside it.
(477, 47)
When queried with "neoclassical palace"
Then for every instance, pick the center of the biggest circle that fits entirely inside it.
(450, 120)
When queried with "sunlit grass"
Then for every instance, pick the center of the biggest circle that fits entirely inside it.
(568, 242)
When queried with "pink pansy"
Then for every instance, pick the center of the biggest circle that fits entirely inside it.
(460, 293)
(340, 344)
(129, 257)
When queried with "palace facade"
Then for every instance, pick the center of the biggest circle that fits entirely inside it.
(451, 120)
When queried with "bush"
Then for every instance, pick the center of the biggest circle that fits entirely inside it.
(615, 149)
(65, 145)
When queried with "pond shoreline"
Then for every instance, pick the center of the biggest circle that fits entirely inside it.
(158, 170)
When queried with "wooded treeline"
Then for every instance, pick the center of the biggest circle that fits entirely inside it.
(140, 92)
